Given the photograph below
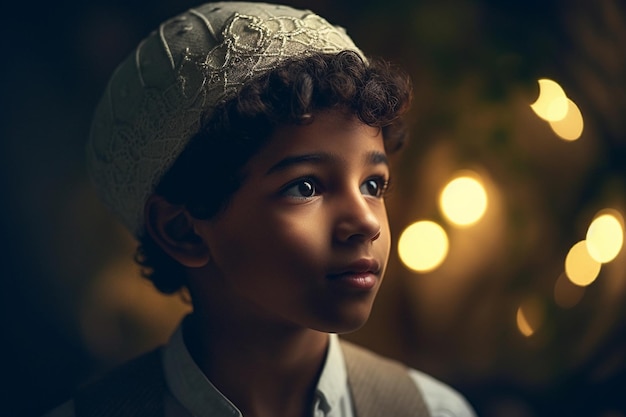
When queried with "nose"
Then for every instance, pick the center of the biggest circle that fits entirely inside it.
(357, 219)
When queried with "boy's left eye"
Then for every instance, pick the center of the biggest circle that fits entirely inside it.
(374, 187)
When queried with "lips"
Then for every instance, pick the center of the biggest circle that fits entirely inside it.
(361, 275)
(360, 267)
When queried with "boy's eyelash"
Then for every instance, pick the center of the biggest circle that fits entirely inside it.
(385, 186)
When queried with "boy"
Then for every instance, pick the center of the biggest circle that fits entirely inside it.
(245, 145)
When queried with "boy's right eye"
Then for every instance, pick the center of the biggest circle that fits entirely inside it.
(304, 188)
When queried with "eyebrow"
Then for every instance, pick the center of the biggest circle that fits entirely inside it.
(371, 158)
(377, 158)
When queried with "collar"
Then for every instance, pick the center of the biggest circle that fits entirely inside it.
(189, 385)
(332, 388)
(197, 394)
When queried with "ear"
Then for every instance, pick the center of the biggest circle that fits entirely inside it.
(172, 228)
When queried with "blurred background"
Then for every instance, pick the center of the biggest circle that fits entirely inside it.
(507, 277)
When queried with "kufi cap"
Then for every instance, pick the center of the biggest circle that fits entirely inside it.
(157, 97)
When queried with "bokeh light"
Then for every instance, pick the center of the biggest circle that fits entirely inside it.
(463, 200)
(580, 267)
(555, 107)
(423, 246)
(571, 126)
(530, 316)
(605, 237)
(522, 324)
(552, 103)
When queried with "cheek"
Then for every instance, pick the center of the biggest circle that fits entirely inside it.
(385, 235)
(264, 243)
(384, 241)
(297, 237)
(306, 242)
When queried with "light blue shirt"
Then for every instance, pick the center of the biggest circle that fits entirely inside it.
(191, 394)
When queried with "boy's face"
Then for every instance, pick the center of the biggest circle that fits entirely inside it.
(305, 240)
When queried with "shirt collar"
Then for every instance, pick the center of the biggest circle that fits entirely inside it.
(189, 385)
(197, 394)
(332, 387)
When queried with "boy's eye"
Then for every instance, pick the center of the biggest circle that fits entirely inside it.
(374, 187)
(301, 189)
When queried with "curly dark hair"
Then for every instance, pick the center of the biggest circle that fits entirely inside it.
(377, 93)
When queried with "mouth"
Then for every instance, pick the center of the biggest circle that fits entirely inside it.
(362, 275)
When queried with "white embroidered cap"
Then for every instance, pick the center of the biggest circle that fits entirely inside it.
(157, 97)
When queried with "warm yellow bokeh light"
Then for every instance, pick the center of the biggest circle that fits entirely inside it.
(463, 200)
(571, 126)
(552, 103)
(522, 324)
(580, 267)
(605, 238)
(423, 246)
(530, 316)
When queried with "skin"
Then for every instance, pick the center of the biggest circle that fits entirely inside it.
(299, 252)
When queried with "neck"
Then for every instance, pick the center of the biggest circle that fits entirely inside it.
(263, 370)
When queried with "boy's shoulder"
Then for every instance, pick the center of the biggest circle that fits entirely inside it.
(381, 386)
(137, 387)
(390, 385)
(442, 399)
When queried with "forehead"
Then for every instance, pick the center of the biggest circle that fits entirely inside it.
(331, 132)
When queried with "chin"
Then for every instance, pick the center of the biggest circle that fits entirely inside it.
(343, 322)
(348, 328)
